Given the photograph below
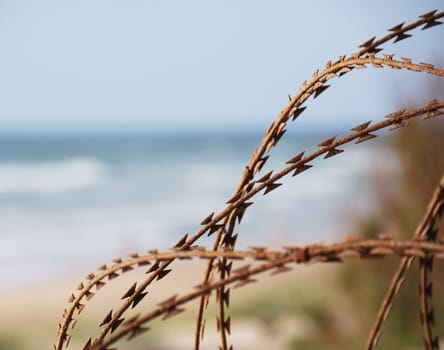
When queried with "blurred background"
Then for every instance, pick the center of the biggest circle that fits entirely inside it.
(122, 125)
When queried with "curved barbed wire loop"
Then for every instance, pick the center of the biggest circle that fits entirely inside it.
(219, 276)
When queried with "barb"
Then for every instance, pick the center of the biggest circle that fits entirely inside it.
(399, 32)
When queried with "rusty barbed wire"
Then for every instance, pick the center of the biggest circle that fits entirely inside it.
(219, 275)
(426, 229)
(267, 186)
(294, 108)
(275, 261)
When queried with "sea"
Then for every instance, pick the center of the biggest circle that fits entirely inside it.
(71, 203)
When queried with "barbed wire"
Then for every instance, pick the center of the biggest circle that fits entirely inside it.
(219, 275)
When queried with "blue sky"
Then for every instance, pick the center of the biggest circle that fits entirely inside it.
(141, 65)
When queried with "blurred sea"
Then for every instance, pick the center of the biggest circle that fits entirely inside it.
(69, 204)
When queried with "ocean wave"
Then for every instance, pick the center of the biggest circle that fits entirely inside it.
(50, 178)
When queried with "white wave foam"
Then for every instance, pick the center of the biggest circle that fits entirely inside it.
(50, 178)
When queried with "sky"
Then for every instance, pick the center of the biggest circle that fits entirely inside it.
(108, 65)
